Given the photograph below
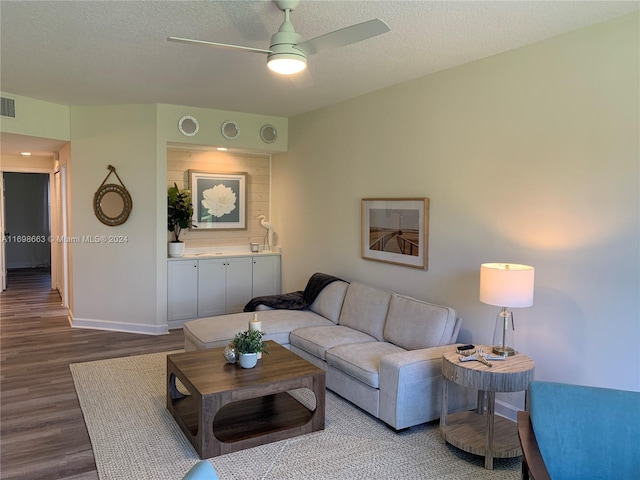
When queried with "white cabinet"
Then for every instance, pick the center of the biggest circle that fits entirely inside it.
(211, 287)
(215, 286)
(224, 285)
(182, 290)
(266, 275)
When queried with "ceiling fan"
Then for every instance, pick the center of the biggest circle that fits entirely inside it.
(287, 54)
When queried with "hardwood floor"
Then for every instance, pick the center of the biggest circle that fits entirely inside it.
(42, 431)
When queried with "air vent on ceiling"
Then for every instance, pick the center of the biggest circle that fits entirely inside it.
(7, 107)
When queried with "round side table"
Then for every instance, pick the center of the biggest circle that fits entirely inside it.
(480, 431)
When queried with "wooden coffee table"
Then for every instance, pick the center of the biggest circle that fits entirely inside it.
(230, 408)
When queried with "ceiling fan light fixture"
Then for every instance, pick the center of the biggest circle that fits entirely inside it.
(286, 63)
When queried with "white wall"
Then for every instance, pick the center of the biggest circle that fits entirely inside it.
(114, 282)
(37, 118)
(123, 286)
(528, 157)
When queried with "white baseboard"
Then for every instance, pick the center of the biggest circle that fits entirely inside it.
(119, 326)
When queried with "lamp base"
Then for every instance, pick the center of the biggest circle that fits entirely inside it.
(503, 334)
(499, 350)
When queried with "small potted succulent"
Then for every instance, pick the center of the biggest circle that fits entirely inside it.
(179, 216)
(248, 344)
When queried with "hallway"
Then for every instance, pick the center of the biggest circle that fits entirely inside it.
(42, 431)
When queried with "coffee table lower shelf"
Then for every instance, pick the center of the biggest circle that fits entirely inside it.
(265, 418)
(467, 431)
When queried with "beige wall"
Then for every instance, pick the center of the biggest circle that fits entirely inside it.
(114, 283)
(134, 139)
(258, 170)
(37, 118)
(528, 157)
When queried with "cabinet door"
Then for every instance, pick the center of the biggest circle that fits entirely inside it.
(182, 290)
(239, 283)
(211, 287)
(266, 275)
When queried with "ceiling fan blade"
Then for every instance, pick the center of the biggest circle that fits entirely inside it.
(214, 44)
(344, 36)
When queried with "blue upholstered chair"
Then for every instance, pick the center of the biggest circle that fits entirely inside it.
(578, 432)
(202, 470)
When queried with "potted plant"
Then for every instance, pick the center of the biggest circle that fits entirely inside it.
(248, 344)
(179, 216)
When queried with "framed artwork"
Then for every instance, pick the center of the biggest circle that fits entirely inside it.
(396, 230)
(219, 200)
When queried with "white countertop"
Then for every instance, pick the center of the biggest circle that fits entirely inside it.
(231, 251)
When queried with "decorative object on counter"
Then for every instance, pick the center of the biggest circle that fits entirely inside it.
(268, 236)
(396, 230)
(112, 203)
(230, 353)
(188, 126)
(248, 344)
(506, 285)
(219, 200)
(255, 247)
(179, 216)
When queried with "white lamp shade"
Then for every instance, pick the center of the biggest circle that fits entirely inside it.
(506, 284)
(286, 64)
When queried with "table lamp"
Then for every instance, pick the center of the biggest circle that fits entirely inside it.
(506, 285)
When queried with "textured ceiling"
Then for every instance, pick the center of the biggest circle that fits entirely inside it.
(115, 52)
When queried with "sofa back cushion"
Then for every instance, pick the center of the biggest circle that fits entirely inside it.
(414, 324)
(365, 309)
(329, 301)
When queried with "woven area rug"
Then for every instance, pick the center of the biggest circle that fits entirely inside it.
(134, 437)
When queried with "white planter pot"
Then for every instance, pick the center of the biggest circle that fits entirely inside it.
(248, 360)
(176, 249)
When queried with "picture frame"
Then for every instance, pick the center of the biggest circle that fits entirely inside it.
(219, 200)
(396, 230)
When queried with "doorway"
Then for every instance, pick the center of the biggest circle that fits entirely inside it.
(27, 221)
(41, 195)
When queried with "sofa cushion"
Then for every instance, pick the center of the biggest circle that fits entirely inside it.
(365, 308)
(413, 324)
(361, 361)
(211, 332)
(329, 301)
(317, 340)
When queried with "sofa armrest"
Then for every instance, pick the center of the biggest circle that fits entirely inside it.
(533, 466)
(411, 388)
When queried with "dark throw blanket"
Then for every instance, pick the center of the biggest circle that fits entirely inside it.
(294, 300)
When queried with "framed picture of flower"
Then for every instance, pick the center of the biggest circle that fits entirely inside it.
(219, 200)
(396, 230)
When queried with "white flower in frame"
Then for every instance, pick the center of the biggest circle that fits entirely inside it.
(219, 200)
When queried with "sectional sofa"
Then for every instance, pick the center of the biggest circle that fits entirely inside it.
(381, 351)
